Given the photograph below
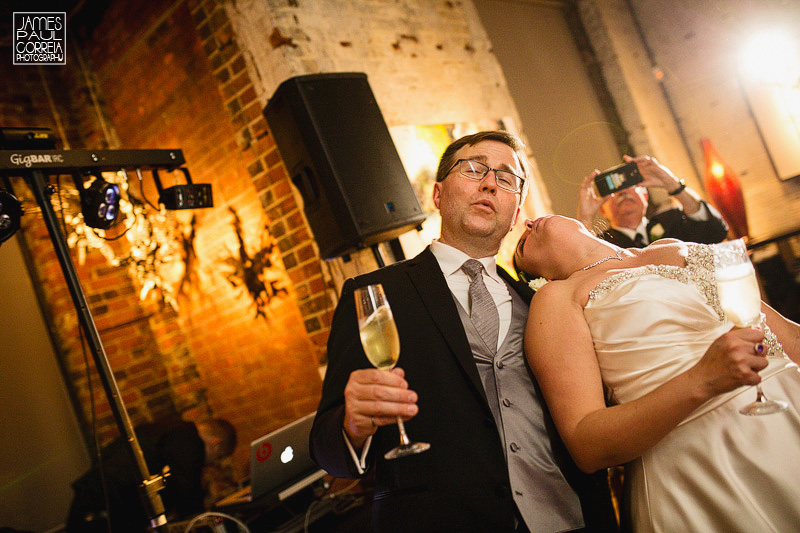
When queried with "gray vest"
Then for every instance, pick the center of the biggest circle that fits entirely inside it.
(542, 494)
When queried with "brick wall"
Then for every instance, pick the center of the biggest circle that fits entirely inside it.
(147, 83)
(196, 75)
(259, 371)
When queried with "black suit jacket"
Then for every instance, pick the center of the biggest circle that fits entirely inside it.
(461, 483)
(677, 225)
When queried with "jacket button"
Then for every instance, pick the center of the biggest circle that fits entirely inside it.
(506, 402)
(514, 447)
(500, 364)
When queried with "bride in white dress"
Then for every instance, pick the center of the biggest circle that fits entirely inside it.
(644, 328)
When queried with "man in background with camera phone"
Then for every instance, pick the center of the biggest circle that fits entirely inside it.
(620, 194)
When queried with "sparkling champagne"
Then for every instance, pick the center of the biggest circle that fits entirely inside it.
(382, 346)
(739, 296)
(379, 339)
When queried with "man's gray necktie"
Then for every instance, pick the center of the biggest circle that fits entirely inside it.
(482, 309)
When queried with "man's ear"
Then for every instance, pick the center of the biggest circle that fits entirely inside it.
(516, 217)
(437, 193)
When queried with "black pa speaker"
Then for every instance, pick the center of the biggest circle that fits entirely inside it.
(336, 146)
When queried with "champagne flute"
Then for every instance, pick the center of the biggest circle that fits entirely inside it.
(740, 298)
(382, 346)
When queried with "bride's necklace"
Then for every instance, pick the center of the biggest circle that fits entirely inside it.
(617, 256)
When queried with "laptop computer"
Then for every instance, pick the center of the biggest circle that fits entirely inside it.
(280, 464)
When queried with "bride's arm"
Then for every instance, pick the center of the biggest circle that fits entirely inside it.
(559, 348)
(788, 332)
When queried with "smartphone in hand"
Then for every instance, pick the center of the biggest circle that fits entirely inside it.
(617, 178)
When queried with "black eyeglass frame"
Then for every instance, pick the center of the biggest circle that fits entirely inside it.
(488, 169)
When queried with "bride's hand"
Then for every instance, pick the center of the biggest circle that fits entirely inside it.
(731, 361)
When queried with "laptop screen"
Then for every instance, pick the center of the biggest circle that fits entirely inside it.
(281, 460)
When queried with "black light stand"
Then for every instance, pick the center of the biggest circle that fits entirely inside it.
(32, 166)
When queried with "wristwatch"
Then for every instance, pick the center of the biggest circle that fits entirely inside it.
(682, 186)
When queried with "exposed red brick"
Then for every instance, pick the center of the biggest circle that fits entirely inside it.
(214, 356)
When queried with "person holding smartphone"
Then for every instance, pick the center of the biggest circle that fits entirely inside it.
(623, 199)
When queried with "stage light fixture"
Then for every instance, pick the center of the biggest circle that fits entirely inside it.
(27, 139)
(99, 202)
(10, 214)
(188, 196)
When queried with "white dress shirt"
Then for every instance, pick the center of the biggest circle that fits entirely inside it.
(450, 261)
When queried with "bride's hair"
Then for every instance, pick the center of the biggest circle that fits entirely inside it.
(522, 274)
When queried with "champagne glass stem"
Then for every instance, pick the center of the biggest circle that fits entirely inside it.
(760, 394)
(760, 397)
(404, 440)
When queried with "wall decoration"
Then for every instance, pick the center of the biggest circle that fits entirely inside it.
(258, 273)
(156, 255)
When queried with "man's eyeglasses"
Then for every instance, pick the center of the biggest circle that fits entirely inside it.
(475, 170)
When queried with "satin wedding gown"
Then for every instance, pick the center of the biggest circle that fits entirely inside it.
(718, 470)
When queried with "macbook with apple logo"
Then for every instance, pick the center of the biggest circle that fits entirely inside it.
(280, 464)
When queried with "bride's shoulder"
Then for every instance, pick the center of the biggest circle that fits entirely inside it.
(668, 251)
(557, 294)
(554, 290)
(686, 251)
(665, 242)
(668, 244)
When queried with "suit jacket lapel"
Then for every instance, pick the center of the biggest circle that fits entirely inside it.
(427, 277)
(619, 238)
(520, 287)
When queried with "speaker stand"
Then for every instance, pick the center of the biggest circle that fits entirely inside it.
(397, 249)
(376, 251)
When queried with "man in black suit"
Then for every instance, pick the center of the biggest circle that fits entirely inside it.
(693, 221)
(495, 462)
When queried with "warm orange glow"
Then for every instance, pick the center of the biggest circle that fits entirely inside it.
(724, 190)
